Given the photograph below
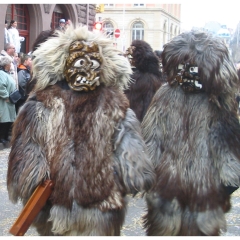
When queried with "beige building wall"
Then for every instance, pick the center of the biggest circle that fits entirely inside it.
(161, 22)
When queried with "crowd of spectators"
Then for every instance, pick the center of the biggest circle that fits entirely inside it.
(20, 69)
(15, 73)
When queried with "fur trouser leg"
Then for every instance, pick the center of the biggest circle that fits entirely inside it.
(41, 223)
(166, 218)
(163, 218)
(60, 221)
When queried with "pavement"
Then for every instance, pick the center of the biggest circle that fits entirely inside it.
(133, 222)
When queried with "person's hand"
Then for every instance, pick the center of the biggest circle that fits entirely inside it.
(7, 100)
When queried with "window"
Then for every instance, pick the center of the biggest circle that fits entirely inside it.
(176, 33)
(138, 31)
(165, 32)
(19, 13)
(138, 5)
(109, 5)
(171, 31)
(108, 29)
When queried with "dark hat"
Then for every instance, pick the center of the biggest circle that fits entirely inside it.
(62, 20)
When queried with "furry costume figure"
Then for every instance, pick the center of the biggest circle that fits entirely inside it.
(77, 129)
(193, 135)
(147, 77)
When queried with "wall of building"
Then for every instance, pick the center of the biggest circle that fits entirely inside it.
(41, 14)
(161, 22)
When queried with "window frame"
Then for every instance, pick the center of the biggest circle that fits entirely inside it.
(108, 28)
(137, 31)
(14, 13)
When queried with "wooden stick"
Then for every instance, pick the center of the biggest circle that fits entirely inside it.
(34, 205)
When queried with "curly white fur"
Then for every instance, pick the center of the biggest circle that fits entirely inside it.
(50, 58)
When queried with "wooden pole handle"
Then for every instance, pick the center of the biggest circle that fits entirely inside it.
(33, 206)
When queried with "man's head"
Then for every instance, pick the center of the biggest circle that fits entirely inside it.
(62, 23)
(10, 49)
(26, 60)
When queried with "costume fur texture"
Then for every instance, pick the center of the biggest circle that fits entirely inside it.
(88, 143)
(193, 141)
(146, 78)
(53, 54)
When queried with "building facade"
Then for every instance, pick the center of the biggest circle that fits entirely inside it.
(34, 18)
(153, 23)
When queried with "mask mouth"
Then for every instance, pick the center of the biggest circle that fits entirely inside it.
(84, 81)
(188, 78)
(83, 84)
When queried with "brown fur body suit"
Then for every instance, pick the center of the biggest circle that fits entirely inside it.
(146, 78)
(88, 143)
(193, 140)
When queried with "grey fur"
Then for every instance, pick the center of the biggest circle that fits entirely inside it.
(50, 58)
(130, 163)
(42, 146)
(192, 140)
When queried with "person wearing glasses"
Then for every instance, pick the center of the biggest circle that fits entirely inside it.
(9, 50)
(7, 109)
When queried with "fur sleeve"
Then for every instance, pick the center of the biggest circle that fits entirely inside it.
(27, 164)
(224, 147)
(132, 164)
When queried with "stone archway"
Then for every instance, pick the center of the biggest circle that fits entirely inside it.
(68, 10)
(36, 14)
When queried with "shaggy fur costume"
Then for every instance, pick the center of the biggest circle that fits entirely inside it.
(88, 143)
(193, 140)
(146, 78)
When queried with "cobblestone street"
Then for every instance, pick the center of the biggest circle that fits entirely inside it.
(133, 223)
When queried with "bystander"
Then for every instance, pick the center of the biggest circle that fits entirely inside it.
(61, 26)
(9, 50)
(7, 109)
(7, 35)
(12, 28)
(24, 76)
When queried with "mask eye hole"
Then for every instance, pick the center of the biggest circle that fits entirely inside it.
(79, 63)
(193, 69)
(95, 64)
